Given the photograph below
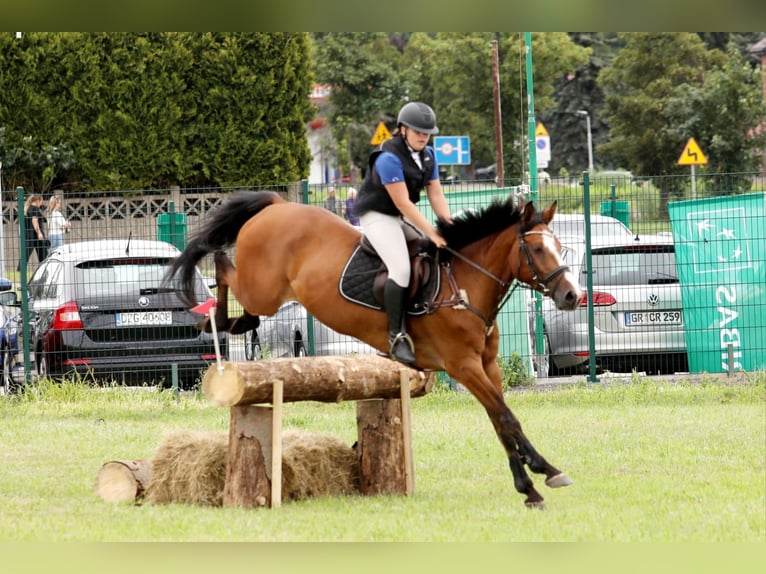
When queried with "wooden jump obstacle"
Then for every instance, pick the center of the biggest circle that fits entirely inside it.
(381, 388)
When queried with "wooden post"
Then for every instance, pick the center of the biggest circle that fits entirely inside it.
(380, 447)
(249, 456)
(276, 451)
(409, 469)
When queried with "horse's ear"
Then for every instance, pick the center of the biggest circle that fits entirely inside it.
(527, 212)
(550, 212)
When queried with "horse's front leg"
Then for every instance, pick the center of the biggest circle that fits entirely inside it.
(554, 478)
(507, 427)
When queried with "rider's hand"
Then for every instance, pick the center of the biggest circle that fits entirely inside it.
(438, 240)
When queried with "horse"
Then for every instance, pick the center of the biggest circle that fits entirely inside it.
(289, 251)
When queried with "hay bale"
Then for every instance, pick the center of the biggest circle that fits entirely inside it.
(190, 468)
(317, 465)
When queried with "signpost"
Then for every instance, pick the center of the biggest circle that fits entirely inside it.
(381, 134)
(543, 145)
(452, 150)
(693, 156)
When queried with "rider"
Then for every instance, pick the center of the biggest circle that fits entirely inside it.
(398, 170)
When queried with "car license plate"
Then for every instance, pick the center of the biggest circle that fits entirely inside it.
(144, 318)
(637, 318)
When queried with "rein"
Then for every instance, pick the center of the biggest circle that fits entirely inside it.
(459, 299)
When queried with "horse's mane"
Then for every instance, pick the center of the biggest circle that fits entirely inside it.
(473, 225)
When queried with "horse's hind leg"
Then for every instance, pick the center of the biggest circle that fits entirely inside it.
(225, 273)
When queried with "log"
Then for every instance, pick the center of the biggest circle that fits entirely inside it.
(330, 379)
(123, 480)
(381, 448)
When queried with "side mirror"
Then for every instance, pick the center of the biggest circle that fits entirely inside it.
(9, 299)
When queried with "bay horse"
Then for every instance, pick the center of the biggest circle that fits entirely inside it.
(288, 251)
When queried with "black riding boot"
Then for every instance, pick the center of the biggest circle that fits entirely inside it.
(401, 347)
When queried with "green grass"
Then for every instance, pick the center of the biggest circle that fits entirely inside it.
(652, 461)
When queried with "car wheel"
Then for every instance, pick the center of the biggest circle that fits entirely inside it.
(253, 348)
(7, 380)
(43, 369)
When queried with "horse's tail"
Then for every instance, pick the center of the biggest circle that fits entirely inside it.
(219, 231)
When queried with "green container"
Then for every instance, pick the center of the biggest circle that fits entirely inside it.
(618, 209)
(171, 228)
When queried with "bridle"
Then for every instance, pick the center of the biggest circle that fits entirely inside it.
(459, 299)
(540, 285)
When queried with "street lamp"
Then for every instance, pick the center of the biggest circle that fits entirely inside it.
(590, 138)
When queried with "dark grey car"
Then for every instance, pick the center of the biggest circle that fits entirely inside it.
(100, 309)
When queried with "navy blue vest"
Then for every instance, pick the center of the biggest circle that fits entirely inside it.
(373, 195)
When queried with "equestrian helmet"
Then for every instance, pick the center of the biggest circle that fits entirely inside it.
(418, 116)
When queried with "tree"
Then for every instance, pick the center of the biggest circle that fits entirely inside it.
(639, 87)
(141, 110)
(453, 71)
(726, 114)
(367, 88)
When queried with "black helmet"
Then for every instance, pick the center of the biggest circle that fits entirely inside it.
(418, 116)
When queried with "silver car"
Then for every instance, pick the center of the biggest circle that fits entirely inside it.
(286, 334)
(638, 316)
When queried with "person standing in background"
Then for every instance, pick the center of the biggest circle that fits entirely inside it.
(332, 203)
(34, 225)
(57, 223)
(348, 208)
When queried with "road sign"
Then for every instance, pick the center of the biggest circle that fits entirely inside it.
(381, 134)
(453, 150)
(692, 154)
(543, 146)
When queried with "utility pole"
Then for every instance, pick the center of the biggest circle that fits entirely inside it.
(531, 122)
(499, 172)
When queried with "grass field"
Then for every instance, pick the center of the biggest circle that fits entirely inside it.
(652, 460)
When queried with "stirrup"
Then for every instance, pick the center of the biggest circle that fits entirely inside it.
(399, 337)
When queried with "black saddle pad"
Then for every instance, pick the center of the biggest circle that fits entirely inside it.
(356, 282)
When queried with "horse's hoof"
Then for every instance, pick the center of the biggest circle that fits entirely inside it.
(558, 481)
(539, 505)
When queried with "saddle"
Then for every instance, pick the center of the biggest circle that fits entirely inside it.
(364, 276)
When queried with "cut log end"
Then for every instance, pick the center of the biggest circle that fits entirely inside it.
(122, 480)
(223, 387)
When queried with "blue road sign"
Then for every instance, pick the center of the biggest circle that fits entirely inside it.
(453, 150)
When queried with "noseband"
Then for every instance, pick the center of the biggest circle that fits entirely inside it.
(540, 285)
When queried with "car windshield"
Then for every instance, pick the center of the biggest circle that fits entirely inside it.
(115, 277)
(632, 265)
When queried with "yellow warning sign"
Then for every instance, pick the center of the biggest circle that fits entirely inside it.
(692, 154)
(381, 134)
(541, 131)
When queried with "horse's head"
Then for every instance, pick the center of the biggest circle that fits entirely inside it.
(539, 263)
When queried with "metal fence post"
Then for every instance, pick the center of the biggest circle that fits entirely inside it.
(23, 282)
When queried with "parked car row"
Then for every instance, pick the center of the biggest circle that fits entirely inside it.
(100, 309)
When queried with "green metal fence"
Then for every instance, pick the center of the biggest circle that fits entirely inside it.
(644, 205)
